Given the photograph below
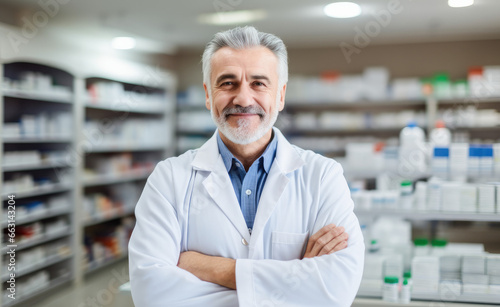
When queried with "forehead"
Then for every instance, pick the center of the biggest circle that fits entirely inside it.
(256, 59)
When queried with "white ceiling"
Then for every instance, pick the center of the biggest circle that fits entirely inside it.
(167, 26)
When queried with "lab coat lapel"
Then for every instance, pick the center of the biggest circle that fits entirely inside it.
(287, 160)
(218, 184)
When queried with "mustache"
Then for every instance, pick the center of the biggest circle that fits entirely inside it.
(239, 109)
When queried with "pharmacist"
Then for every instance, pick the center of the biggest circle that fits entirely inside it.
(247, 219)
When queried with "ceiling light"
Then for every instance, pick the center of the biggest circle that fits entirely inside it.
(342, 10)
(460, 3)
(233, 17)
(123, 42)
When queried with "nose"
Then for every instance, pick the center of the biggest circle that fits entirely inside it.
(243, 96)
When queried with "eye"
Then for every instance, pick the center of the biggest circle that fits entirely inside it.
(226, 83)
(258, 83)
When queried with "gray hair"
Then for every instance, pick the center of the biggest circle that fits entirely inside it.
(246, 37)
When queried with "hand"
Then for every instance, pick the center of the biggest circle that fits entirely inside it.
(327, 240)
(218, 270)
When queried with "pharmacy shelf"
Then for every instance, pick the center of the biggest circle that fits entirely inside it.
(462, 298)
(47, 97)
(470, 100)
(348, 105)
(34, 166)
(152, 110)
(55, 283)
(45, 190)
(432, 215)
(191, 107)
(116, 106)
(126, 148)
(371, 302)
(40, 265)
(478, 129)
(17, 103)
(35, 140)
(102, 219)
(44, 238)
(205, 133)
(343, 132)
(38, 217)
(116, 178)
(92, 267)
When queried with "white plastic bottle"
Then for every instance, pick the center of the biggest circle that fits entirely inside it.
(406, 195)
(412, 151)
(406, 292)
(390, 291)
(440, 136)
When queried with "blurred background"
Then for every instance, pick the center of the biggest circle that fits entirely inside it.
(404, 94)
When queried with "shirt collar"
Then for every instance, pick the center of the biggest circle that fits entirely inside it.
(267, 157)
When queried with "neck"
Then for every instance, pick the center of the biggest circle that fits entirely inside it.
(248, 153)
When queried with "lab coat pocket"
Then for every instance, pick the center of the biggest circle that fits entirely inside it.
(287, 245)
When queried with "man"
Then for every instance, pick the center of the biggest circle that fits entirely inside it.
(247, 219)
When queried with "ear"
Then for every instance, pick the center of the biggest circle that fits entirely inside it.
(282, 92)
(207, 97)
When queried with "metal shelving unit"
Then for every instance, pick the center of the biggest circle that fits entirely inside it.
(35, 140)
(45, 190)
(34, 166)
(126, 148)
(116, 178)
(426, 297)
(102, 219)
(94, 267)
(47, 108)
(76, 146)
(95, 185)
(432, 216)
(37, 96)
(38, 217)
(54, 283)
(37, 266)
(153, 110)
(44, 238)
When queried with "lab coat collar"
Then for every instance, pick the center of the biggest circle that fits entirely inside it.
(287, 157)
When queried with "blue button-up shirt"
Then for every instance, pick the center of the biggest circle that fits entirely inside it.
(248, 186)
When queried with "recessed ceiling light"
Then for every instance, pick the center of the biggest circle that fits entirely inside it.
(233, 17)
(460, 3)
(342, 10)
(123, 43)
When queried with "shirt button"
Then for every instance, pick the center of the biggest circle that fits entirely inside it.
(248, 192)
(244, 242)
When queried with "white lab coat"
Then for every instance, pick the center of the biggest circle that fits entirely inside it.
(189, 203)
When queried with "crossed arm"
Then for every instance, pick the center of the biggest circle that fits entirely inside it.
(221, 271)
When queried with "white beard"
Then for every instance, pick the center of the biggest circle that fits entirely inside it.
(243, 134)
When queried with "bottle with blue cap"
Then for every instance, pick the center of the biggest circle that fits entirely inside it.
(412, 151)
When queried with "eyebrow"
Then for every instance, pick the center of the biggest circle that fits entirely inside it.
(261, 77)
(232, 77)
(224, 77)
